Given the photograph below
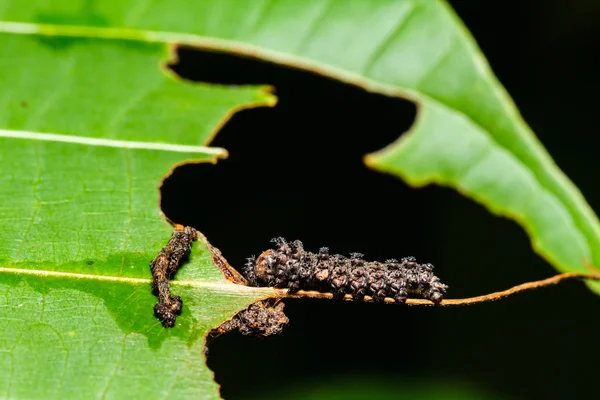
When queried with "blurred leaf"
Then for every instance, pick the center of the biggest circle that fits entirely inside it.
(90, 123)
(359, 387)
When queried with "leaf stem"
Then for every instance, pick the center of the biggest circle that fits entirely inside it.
(456, 302)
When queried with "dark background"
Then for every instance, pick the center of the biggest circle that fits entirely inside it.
(296, 171)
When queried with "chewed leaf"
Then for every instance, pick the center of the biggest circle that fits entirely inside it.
(91, 121)
(88, 129)
(451, 150)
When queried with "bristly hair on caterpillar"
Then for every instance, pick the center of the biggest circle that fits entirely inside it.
(289, 266)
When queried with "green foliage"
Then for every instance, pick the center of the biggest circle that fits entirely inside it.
(80, 219)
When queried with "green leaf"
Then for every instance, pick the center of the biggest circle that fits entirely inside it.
(469, 135)
(88, 128)
(95, 336)
(90, 122)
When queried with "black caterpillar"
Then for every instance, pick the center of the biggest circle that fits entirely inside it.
(291, 267)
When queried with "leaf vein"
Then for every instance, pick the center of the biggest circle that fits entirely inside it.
(37, 205)
(385, 42)
(437, 64)
(314, 26)
(122, 144)
(119, 115)
(117, 364)
(137, 11)
(130, 208)
(260, 16)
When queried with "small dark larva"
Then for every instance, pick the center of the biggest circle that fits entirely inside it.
(163, 268)
(262, 318)
(290, 266)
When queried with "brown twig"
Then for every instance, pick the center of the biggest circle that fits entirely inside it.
(457, 302)
(229, 273)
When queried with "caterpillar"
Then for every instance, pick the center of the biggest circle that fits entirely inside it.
(259, 319)
(163, 267)
(290, 266)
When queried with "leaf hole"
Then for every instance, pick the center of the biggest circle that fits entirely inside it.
(296, 171)
(296, 167)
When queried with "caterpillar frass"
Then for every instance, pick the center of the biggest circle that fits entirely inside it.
(291, 267)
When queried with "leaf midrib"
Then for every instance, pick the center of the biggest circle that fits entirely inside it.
(117, 143)
(223, 286)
